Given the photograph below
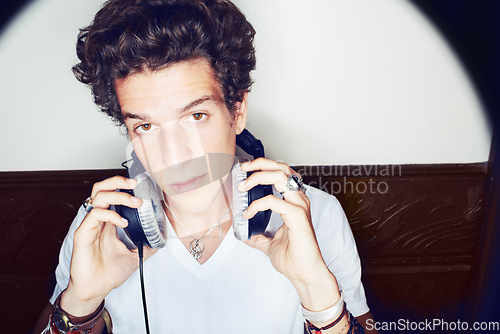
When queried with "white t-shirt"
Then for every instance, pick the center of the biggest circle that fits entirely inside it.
(237, 290)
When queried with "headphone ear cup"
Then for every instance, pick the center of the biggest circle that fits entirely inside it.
(240, 204)
(242, 227)
(259, 222)
(146, 223)
(134, 228)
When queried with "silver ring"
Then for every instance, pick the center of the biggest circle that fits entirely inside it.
(294, 183)
(87, 205)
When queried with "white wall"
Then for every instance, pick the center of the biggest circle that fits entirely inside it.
(338, 82)
(48, 117)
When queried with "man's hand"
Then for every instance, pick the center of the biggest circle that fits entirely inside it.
(293, 251)
(100, 261)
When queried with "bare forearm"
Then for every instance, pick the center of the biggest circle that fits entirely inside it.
(319, 294)
(77, 307)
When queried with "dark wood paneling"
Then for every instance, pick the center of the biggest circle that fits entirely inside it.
(36, 209)
(417, 231)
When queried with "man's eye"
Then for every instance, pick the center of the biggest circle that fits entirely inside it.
(198, 116)
(143, 128)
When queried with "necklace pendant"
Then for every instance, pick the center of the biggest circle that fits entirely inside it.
(197, 247)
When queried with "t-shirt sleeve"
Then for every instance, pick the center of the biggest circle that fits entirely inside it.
(62, 270)
(338, 248)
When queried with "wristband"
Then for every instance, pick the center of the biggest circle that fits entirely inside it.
(62, 322)
(333, 312)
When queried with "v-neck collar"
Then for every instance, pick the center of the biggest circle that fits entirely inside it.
(175, 245)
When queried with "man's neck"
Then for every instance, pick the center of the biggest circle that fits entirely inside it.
(195, 218)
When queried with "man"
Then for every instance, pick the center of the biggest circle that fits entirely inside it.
(176, 74)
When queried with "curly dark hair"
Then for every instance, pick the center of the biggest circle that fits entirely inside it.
(130, 36)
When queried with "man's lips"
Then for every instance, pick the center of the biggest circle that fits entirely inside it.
(188, 185)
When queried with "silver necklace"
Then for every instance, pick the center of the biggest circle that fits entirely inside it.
(197, 246)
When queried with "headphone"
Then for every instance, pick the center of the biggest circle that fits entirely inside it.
(147, 224)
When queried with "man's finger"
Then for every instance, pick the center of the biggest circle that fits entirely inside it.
(98, 215)
(290, 213)
(112, 184)
(276, 178)
(266, 164)
(259, 242)
(104, 199)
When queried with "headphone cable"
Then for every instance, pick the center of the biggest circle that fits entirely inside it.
(143, 290)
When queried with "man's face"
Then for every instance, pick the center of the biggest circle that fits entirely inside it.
(178, 123)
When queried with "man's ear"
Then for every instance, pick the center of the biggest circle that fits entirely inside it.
(240, 114)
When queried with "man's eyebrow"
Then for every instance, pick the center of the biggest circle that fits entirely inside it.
(127, 115)
(197, 102)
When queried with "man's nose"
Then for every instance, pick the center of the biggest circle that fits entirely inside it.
(177, 145)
